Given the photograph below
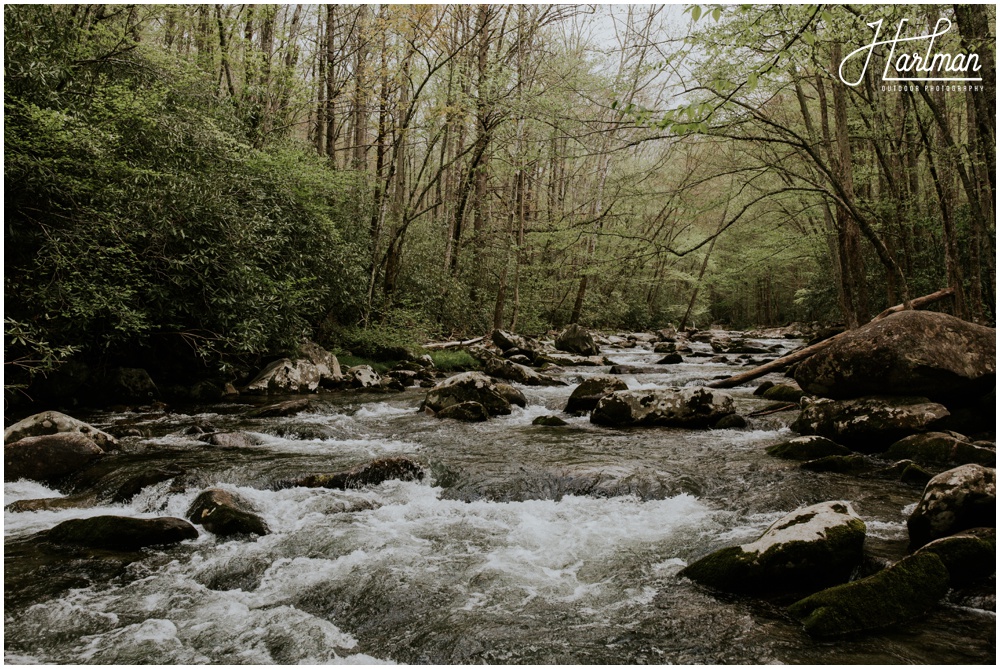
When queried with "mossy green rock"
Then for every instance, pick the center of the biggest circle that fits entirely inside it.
(968, 555)
(783, 392)
(941, 448)
(807, 448)
(902, 592)
(806, 549)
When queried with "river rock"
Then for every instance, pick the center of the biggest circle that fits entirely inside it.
(288, 408)
(225, 514)
(941, 448)
(285, 376)
(121, 533)
(85, 501)
(326, 363)
(869, 424)
(664, 347)
(783, 392)
(53, 422)
(808, 548)
(575, 339)
(49, 457)
(908, 353)
(968, 555)
(667, 334)
(549, 421)
(512, 394)
(511, 371)
(671, 407)
(363, 377)
(506, 341)
(586, 395)
(370, 473)
(958, 499)
(468, 387)
(671, 359)
(468, 412)
(135, 484)
(231, 440)
(904, 591)
(733, 421)
(807, 448)
(569, 360)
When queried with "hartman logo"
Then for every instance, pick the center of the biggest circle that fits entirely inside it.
(922, 64)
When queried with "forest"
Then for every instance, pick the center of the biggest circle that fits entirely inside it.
(199, 187)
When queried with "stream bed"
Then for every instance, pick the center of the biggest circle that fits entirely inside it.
(523, 544)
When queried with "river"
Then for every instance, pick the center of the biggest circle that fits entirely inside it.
(524, 544)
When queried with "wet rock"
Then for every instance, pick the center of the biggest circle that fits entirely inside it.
(225, 514)
(968, 555)
(326, 363)
(121, 533)
(840, 464)
(363, 377)
(512, 395)
(575, 339)
(49, 457)
(288, 408)
(667, 334)
(507, 341)
(304, 431)
(406, 377)
(869, 424)
(468, 387)
(520, 360)
(763, 388)
(285, 376)
(231, 440)
(586, 395)
(468, 412)
(135, 484)
(52, 503)
(806, 549)
(53, 422)
(671, 359)
(941, 448)
(733, 421)
(632, 369)
(904, 591)
(549, 421)
(391, 384)
(568, 360)
(922, 353)
(912, 473)
(783, 392)
(807, 448)
(685, 407)
(958, 499)
(371, 473)
(511, 371)
(664, 347)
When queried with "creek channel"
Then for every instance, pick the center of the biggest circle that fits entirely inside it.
(523, 544)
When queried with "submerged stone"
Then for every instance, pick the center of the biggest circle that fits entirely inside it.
(902, 592)
(807, 448)
(49, 457)
(549, 421)
(121, 532)
(370, 473)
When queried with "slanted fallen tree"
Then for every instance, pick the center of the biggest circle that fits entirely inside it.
(803, 353)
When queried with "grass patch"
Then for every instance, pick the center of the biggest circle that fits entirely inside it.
(454, 361)
(347, 361)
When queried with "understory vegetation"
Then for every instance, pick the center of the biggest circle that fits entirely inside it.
(195, 189)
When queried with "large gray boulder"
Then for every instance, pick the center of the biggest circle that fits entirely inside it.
(808, 548)
(575, 339)
(511, 371)
(921, 353)
(670, 407)
(285, 376)
(902, 592)
(49, 457)
(363, 377)
(326, 363)
(586, 395)
(468, 387)
(869, 424)
(958, 499)
(121, 533)
(941, 448)
(52, 422)
(225, 514)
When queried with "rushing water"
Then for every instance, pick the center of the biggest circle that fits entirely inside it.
(525, 544)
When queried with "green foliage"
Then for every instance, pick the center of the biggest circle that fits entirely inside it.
(454, 361)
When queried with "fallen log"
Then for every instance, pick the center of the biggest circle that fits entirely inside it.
(803, 353)
(438, 346)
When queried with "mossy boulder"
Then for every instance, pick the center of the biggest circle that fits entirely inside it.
(912, 473)
(783, 392)
(586, 395)
(669, 407)
(869, 424)
(369, 473)
(958, 499)
(904, 591)
(49, 458)
(807, 549)
(225, 513)
(733, 421)
(467, 412)
(468, 387)
(575, 339)
(514, 396)
(53, 422)
(941, 448)
(121, 533)
(907, 353)
(968, 555)
(807, 448)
